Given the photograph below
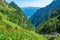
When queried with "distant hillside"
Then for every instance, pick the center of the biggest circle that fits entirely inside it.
(29, 11)
(43, 13)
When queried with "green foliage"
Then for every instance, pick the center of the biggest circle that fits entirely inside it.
(52, 24)
(0, 18)
(19, 34)
(57, 38)
(11, 31)
(16, 16)
(13, 25)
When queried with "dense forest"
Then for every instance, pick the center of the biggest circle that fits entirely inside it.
(52, 24)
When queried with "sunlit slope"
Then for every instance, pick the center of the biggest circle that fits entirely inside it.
(15, 15)
(11, 31)
(13, 24)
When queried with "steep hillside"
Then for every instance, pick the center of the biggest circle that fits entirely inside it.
(11, 31)
(15, 15)
(43, 13)
(52, 25)
(12, 22)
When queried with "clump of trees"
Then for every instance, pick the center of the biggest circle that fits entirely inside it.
(52, 24)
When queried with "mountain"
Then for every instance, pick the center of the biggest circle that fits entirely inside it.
(21, 18)
(51, 27)
(10, 24)
(42, 14)
(15, 15)
(52, 24)
(12, 31)
(29, 11)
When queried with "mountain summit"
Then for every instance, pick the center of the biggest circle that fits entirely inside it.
(43, 13)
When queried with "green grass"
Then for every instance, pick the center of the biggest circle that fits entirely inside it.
(57, 38)
(18, 34)
(16, 16)
(11, 31)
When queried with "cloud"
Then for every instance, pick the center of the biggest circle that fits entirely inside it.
(34, 3)
(31, 3)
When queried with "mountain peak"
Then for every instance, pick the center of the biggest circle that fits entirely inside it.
(13, 3)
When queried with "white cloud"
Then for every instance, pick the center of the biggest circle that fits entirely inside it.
(31, 3)
(34, 3)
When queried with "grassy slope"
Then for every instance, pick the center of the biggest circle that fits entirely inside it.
(25, 22)
(10, 18)
(11, 31)
(57, 38)
(16, 16)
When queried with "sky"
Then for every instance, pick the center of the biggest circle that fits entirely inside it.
(31, 3)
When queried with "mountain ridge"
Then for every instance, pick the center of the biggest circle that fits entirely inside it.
(43, 13)
(29, 11)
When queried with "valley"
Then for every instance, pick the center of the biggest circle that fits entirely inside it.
(43, 25)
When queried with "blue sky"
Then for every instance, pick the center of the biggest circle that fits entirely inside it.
(31, 3)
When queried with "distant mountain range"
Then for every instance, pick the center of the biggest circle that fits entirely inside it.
(29, 11)
(43, 13)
